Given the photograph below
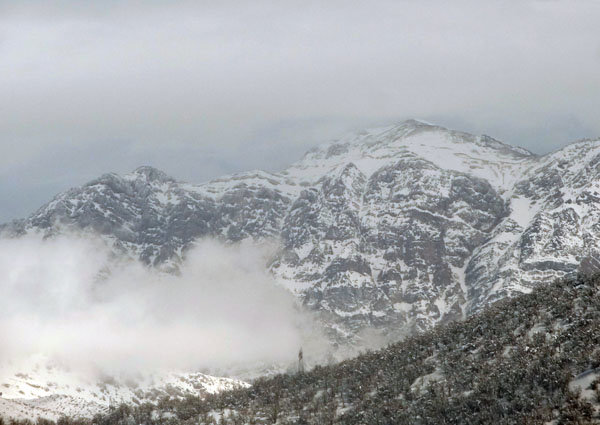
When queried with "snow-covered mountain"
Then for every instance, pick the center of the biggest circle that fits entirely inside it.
(398, 227)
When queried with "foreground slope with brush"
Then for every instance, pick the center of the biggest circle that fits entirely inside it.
(533, 359)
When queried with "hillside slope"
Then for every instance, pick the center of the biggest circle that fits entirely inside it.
(533, 359)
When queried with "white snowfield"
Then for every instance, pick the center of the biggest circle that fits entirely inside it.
(481, 156)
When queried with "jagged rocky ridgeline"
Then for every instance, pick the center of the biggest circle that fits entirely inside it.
(398, 227)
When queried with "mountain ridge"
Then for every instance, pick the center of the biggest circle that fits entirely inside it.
(397, 228)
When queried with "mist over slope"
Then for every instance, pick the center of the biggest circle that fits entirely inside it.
(60, 297)
(77, 322)
(533, 359)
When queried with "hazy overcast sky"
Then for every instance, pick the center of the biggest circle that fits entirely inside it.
(204, 88)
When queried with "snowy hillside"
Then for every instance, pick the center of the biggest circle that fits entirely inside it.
(37, 387)
(531, 359)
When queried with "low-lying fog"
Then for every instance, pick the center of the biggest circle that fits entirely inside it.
(59, 298)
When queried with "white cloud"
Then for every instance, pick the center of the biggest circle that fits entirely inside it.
(222, 310)
(192, 77)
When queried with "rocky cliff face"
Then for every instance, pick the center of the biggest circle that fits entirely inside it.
(398, 228)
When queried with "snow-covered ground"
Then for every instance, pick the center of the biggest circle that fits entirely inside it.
(36, 386)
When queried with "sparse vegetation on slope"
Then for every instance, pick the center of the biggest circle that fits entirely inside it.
(534, 359)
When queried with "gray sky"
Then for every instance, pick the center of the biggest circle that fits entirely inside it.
(201, 89)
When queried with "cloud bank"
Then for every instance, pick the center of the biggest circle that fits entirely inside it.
(60, 300)
(201, 89)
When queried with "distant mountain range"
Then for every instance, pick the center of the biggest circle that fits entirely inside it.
(396, 228)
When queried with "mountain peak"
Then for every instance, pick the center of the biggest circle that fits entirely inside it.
(414, 122)
(151, 174)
